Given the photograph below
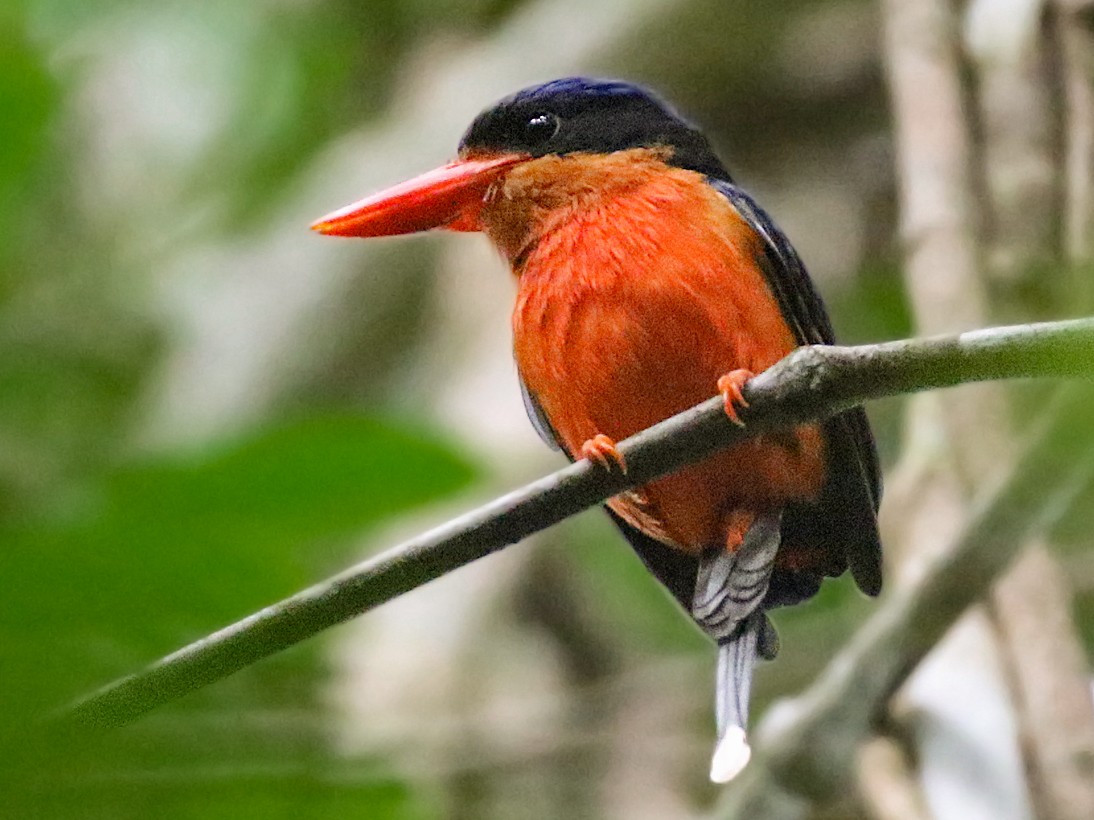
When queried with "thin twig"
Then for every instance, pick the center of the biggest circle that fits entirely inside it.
(811, 383)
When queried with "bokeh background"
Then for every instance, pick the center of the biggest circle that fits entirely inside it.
(204, 407)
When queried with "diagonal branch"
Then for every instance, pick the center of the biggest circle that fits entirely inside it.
(811, 383)
(807, 746)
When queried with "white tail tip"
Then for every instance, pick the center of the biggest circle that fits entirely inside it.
(730, 756)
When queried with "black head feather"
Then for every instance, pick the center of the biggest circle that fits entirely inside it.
(580, 115)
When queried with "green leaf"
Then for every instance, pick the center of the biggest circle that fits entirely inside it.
(28, 98)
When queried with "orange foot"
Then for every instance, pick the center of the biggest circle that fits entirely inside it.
(730, 386)
(602, 450)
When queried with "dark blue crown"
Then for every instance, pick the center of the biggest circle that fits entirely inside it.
(585, 115)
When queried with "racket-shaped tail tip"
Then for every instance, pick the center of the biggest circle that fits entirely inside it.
(731, 755)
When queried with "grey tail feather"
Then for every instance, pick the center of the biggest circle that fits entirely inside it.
(736, 660)
(733, 684)
(731, 585)
(729, 590)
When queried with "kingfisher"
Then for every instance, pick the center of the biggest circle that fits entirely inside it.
(647, 280)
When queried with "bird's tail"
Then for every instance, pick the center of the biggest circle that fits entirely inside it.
(729, 590)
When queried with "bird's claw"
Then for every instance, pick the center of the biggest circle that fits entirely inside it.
(730, 386)
(601, 449)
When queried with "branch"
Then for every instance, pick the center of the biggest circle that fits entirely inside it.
(806, 747)
(811, 383)
(1013, 183)
(1021, 94)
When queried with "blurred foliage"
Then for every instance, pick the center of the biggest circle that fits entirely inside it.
(263, 512)
(114, 555)
(72, 349)
(158, 552)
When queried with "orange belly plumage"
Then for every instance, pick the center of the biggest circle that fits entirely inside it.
(628, 311)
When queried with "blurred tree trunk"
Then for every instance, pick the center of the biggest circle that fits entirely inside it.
(966, 266)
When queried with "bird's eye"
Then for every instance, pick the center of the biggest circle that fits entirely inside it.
(539, 128)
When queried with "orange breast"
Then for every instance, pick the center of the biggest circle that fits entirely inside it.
(630, 306)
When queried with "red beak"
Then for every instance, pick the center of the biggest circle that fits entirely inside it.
(448, 197)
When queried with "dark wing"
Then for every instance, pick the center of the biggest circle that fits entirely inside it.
(538, 418)
(844, 520)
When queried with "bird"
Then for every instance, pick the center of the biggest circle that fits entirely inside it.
(647, 281)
